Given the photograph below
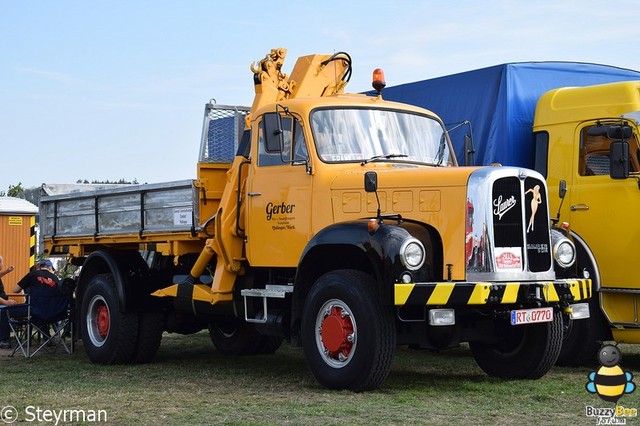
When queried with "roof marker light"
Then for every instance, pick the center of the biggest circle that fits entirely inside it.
(378, 82)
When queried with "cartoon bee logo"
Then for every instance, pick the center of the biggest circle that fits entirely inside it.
(610, 382)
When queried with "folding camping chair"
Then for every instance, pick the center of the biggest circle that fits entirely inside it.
(43, 322)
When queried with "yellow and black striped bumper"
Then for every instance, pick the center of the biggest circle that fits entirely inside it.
(481, 293)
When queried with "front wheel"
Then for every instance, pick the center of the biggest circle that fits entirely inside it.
(348, 336)
(522, 351)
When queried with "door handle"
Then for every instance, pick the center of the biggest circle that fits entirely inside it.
(254, 194)
(579, 207)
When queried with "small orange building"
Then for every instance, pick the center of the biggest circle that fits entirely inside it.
(17, 237)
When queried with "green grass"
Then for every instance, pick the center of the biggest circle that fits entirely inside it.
(190, 383)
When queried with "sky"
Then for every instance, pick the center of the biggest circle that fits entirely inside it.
(116, 89)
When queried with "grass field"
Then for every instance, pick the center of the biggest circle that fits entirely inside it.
(190, 383)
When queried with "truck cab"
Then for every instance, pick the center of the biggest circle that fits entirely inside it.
(588, 137)
(313, 176)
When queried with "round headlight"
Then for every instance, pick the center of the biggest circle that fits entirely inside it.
(412, 254)
(564, 252)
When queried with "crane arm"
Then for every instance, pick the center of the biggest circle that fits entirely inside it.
(312, 76)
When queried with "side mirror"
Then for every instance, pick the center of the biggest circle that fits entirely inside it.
(371, 181)
(619, 132)
(562, 189)
(273, 132)
(598, 130)
(469, 151)
(619, 159)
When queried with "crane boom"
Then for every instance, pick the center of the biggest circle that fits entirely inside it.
(312, 76)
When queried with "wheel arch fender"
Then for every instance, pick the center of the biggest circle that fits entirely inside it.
(350, 245)
(120, 264)
(586, 259)
(334, 247)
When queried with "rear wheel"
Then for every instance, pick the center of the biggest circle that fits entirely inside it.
(523, 352)
(348, 337)
(108, 335)
(233, 336)
(150, 327)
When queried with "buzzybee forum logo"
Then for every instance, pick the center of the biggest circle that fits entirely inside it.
(610, 382)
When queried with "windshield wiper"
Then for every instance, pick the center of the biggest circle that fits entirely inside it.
(441, 147)
(382, 157)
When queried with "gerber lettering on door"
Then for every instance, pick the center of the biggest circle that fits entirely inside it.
(279, 214)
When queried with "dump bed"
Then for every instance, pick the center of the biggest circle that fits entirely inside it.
(136, 209)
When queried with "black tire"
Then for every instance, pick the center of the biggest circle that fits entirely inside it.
(582, 339)
(233, 336)
(269, 345)
(524, 352)
(150, 328)
(360, 335)
(108, 335)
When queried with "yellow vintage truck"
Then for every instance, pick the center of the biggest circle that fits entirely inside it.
(339, 222)
(576, 124)
(588, 143)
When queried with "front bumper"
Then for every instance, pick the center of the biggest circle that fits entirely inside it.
(494, 294)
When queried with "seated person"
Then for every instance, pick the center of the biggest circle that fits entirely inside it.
(47, 302)
(42, 276)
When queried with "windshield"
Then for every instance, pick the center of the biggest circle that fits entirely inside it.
(372, 134)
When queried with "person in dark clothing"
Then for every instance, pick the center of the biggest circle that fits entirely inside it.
(44, 283)
(42, 276)
(5, 301)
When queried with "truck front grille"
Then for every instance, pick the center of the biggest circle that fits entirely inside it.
(507, 224)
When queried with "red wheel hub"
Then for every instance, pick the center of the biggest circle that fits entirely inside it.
(336, 332)
(103, 320)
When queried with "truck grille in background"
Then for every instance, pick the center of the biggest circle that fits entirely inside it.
(537, 233)
(515, 233)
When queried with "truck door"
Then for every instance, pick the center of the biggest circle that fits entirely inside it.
(604, 212)
(279, 194)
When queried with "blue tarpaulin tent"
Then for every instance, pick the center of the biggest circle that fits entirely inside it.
(500, 102)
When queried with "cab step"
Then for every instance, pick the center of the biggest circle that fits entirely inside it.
(269, 292)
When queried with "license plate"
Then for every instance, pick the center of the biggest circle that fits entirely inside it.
(531, 316)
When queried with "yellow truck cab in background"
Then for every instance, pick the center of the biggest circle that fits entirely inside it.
(589, 141)
(339, 222)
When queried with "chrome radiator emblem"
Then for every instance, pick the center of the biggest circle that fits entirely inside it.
(502, 207)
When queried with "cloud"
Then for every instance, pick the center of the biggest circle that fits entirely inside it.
(54, 76)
